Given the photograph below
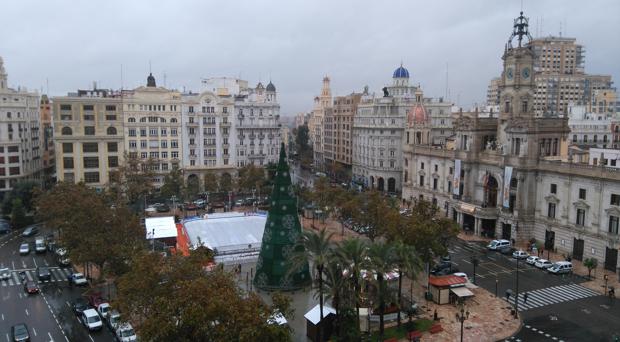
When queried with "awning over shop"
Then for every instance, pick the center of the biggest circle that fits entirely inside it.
(462, 292)
(468, 208)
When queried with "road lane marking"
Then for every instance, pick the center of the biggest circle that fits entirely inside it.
(34, 331)
(35, 262)
(7, 337)
(466, 261)
(50, 335)
(13, 263)
(91, 338)
(45, 262)
(3, 317)
(27, 314)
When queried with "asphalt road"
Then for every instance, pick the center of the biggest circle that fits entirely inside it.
(48, 315)
(557, 308)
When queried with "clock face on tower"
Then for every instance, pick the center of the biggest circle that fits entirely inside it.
(526, 72)
(509, 73)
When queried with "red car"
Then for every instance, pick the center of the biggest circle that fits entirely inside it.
(31, 287)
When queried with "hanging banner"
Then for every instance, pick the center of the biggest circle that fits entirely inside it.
(456, 182)
(506, 191)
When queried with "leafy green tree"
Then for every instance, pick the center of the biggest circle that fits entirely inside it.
(173, 299)
(382, 260)
(590, 264)
(192, 188)
(226, 182)
(210, 180)
(251, 177)
(133, 180)
(24, 190)
(373, 213)
(302, 144)
(18, 214)
(339, 289)
(90, 228)
(173, 183)
(315, 248)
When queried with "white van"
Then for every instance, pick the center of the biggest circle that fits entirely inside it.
(561, 267)
(39, 244)
(496, 245)
(91, 319)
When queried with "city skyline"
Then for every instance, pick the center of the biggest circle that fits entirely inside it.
(293, 47)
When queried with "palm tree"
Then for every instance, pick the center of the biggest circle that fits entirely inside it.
(338, 288)
(381, 257)
(408, 262)
(314, 247)
(354, 254)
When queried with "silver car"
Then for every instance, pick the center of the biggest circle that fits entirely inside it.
(24, 249)
(5, 273)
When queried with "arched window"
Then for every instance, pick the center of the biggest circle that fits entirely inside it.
(67, 131)
(604, 138)
(111, 131)
(595, 138)
(131, 120)
(142, 119)
(162, 120)
(173, 120)
(617, 129)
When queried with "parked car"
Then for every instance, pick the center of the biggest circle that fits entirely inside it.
(5, 273)
(200, 203)
(30, 287)
(30, 231)
(19, 332)
(497, 244)
(103, 309)
(531, 259)
(444, 268)
(43, 273)
(5, 227)
(240, 202)
(190, 206)
(113, 320)
(543, 263)
(39, 244)
(24, 249)
(561, 267)
(162, 208)
(61, 256)
(77, 279)
(125, 333)
(520, 254)
(91, 319)
(462, 275)
(79, 305)
(506, 250)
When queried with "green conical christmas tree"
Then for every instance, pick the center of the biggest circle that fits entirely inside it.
(282, 230)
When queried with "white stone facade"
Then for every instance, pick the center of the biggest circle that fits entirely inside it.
(20, 134)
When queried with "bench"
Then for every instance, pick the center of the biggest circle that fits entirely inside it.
(436, 328)
(414, 334)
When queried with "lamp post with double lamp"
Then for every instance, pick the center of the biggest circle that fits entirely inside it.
(517, 292)
(462, 315)
(496, 283)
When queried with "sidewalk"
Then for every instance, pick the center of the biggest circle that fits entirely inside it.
(489, 317)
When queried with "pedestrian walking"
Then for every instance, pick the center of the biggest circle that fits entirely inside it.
(525, 298)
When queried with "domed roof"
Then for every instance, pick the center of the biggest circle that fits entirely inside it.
(260, 86)
(271, 87)
(417, 115)
(401, 72)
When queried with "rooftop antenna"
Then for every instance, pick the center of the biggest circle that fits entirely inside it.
(560, 28)
(121, 77)
(447, 91)
(164, 79)
(150, 71)
(47, 86)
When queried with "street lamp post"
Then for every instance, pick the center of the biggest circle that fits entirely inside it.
(496, 283)
(462, 315)
(475, 262)
(517, 292)
(605, 277)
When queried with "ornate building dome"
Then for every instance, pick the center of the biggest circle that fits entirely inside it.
(417, 115)
(401, 72)
(271, 87)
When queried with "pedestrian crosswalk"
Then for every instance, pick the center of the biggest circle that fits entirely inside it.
(552, 295)
(58, 275)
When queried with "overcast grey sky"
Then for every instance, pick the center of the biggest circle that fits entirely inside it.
(295, 43)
